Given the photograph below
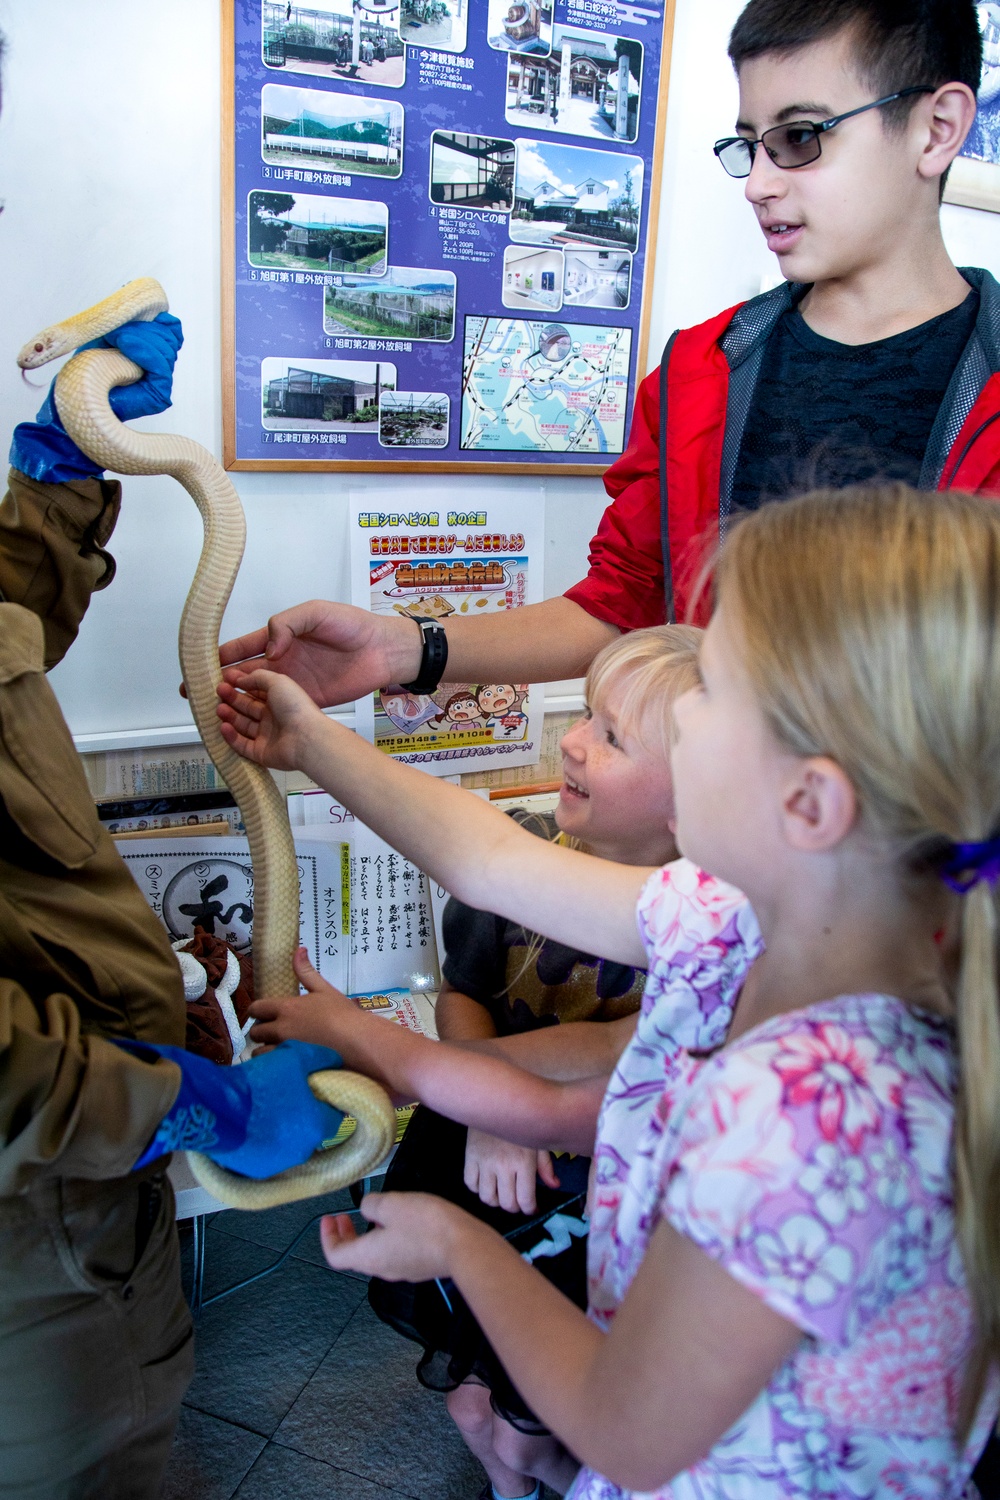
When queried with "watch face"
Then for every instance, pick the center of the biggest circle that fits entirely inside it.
(214, 894)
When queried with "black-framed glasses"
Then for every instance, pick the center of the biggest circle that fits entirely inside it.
(799, 142)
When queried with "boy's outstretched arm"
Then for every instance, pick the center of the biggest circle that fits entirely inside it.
(338, 652)
(473, 850)
(487, 1092)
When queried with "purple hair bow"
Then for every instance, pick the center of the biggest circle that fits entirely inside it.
(968, 864)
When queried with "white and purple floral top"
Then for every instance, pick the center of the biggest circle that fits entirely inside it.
(811, 1158)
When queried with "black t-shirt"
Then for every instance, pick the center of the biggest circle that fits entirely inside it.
(826, 415)
(492, 960)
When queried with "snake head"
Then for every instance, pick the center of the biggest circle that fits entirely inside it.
(140, 299)
(47, 345)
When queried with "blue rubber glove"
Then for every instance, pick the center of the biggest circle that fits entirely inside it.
(44, 450)
(256, 1119)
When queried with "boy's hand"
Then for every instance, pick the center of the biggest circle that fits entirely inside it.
(336, 652)
(503, 1175)
(414, 1238)
(267, 719)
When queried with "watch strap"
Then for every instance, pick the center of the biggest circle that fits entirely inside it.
(433, 657)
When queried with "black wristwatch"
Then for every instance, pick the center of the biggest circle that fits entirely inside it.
(433, 657)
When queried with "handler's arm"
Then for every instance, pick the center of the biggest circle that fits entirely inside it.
(52, 557)
(71, 1105)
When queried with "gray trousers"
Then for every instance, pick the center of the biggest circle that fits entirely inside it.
(96, 1342)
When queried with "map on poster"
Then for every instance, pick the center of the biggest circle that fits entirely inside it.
(439, 230)
(437, 565)
(544, 387)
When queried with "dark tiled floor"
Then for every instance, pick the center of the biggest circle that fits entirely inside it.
(300, 1392)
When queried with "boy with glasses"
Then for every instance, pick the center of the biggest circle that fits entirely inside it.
(876, 358)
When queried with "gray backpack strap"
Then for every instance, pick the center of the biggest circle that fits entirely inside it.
(668, 572)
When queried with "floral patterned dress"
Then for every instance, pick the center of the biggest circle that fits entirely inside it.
(811, 1158)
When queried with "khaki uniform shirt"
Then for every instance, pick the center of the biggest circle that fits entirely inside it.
(82, 958)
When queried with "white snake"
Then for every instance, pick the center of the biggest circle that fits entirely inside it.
(81, 397)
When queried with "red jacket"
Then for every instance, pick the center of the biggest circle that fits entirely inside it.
(711, 372)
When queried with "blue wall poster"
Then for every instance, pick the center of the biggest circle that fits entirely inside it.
(438, 233)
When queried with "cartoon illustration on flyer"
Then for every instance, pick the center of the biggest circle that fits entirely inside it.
(439, 566)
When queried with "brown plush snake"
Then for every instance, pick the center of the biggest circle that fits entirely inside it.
(82, 399)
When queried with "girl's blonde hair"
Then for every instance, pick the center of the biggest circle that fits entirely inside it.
(871, 627)
(653, 667)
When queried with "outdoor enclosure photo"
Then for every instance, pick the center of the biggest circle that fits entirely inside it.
(322, 395)
(413, 419)
(326, 130)
(303, 232)
(406, 302)
(357, 40)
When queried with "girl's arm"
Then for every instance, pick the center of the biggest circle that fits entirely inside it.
(460, 1018)
(475, 851)
(500, 1172)
(572, 1050)
(487, 1092)
(687, 1353)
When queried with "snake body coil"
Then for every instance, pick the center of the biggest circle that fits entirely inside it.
(81, 396)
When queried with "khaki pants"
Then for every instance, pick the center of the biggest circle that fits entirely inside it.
(96, 1343)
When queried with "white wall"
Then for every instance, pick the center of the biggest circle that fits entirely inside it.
(109, 164)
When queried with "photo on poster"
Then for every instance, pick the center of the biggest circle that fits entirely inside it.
(519, 26)
(589, 84)
(407, 302)
(440, 24)
(532, 386)
(304, 232)
(569, 195)
(313, 128)
(323, 395)
(983, 141)
(413, 419)
(974, 179)
(597, 278)
(532, 278)
(474, 170)
(354, 40)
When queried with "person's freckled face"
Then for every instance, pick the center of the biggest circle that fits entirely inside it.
(617, 795)
(837, 215)
(727, 765)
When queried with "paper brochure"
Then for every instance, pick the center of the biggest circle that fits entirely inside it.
(442, 565)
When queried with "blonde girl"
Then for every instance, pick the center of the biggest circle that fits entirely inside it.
(498, 980)
(794, 1257)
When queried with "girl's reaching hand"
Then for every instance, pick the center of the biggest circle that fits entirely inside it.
(323, 1012)
(414, 1237)
(267, 718)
